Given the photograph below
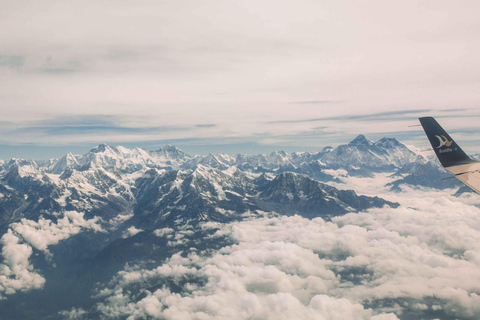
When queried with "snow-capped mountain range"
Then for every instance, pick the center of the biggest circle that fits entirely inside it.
(111, 180)
(102, 209)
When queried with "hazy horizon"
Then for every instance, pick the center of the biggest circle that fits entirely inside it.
(41, 153)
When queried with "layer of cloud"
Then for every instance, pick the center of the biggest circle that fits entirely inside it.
(16, 271)
(45, 232)
(130, 232)
(419, 260)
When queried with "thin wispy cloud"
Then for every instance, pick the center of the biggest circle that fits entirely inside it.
(366, 117)
(316, 102)
(60, 130)
(11, 61)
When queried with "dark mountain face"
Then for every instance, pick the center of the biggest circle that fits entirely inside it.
(426, 174)
(291, 193)
(210, 194)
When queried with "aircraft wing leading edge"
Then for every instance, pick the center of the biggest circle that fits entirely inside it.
(450, 155)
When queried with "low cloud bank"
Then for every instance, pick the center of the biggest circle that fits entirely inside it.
(16, 271)
(419, 260)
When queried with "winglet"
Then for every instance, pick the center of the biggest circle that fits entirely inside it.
(447, 150)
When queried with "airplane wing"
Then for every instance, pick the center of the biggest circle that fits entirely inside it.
(468, 174)
(450, 155)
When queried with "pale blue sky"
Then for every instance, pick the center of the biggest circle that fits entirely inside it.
(234, 76)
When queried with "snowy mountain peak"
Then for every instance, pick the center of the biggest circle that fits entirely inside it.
(68, 161)
(278, 154)
(100, 148)
(363, 153)
(361, 140)
(172, 152)
(21, 171)
(20, 162)
(389, 143)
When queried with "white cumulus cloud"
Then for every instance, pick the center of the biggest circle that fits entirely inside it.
(419, 259)
(16, 271)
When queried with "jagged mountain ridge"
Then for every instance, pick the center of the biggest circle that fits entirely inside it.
(104, 178)
(361, 152)
(211, 194)
(385, 154)
(106, 181)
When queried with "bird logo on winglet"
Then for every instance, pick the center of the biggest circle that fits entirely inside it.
(443, 141)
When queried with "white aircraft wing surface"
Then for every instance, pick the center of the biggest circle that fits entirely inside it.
(468, 174)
